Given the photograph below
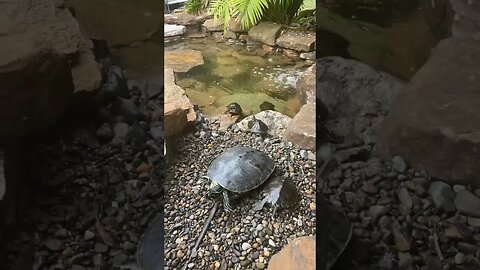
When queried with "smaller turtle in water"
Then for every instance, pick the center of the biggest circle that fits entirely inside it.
(265, 106)
(257, 126)
(238, 171)
(234, 109)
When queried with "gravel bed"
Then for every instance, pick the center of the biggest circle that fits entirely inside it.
(95, 186)
(244, 239)
(402, 218)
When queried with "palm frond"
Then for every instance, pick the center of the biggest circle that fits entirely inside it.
(250, 11)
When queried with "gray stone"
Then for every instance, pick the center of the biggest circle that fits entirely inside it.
(442, 196)
(171, 30)
(54, 244)
(88, 235)
(467, 203)
(399, 164)
(405, 198)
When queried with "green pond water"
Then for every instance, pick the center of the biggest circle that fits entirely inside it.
(231, 73)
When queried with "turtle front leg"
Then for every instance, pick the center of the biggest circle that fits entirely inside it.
(226, 202)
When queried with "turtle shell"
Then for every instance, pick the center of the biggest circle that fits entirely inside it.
(241, 169)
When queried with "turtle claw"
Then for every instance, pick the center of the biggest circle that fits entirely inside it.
(226, 202)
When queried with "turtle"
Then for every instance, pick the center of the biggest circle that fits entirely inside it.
(236, 172)
(334, 233)
(234, 108)
(257, 126)
(265, 106)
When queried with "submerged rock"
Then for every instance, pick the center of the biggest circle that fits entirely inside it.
(183, 60)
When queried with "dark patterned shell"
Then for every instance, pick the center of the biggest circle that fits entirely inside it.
(241, 169)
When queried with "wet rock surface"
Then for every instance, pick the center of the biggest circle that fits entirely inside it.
(245, 239)
(434, 121)
(182, 60)
(97, 185)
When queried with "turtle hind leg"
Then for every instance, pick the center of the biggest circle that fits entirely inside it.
(226, 202)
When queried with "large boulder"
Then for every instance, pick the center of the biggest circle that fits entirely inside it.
(119, 24)
(306, 85)
(183, 60)
(178, 110)
(302, 41)
(357, 96)
(297, 255)
(265, 32)
(35, 83)
(301, 130)
(434, 122)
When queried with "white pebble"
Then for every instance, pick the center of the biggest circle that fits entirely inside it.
(271, 243)
(246, 246)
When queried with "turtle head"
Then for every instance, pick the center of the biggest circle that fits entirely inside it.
(215, 189)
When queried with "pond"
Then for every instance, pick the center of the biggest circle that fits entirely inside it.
(234, 73)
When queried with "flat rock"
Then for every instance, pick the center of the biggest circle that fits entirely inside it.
(301, 41)
(301, 130)
(171, 30)
(276, 122)
(181, 19)
(183, 60)
(213, 26)
(434, 122)
(467, 203)
(306, 85)
(297, 255)
(265, 32)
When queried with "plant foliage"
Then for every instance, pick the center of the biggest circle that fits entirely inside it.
(250, 12)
